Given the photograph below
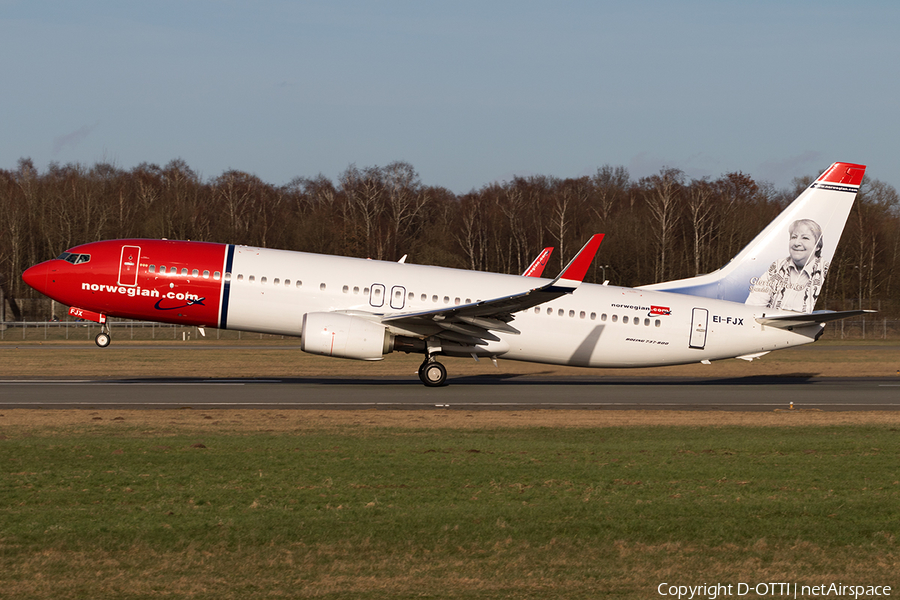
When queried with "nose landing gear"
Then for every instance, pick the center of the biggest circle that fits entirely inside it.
(104, 338)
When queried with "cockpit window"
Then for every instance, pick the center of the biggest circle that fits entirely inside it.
(75, 259)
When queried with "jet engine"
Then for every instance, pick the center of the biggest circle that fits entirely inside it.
(344, 336)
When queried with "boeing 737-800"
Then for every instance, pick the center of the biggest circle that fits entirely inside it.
(762, 300)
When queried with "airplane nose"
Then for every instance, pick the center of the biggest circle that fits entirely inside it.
(37, 276)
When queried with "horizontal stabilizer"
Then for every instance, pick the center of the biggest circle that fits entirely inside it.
(813, 318)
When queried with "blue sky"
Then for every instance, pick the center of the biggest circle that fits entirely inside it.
(467, 92)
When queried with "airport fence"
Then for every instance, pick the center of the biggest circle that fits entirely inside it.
(11, 331)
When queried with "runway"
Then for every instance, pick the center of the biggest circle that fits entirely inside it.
(499, 392)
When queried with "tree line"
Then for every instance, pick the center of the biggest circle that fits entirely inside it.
(665, 226)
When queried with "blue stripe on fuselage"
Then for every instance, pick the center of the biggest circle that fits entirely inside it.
(226, 287)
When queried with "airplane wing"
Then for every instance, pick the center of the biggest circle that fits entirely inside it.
(536, 269)
(813, 318)
(472, 323)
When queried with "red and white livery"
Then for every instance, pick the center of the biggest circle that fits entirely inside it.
(364, 309)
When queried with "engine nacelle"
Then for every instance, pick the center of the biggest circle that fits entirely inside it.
(344, 336)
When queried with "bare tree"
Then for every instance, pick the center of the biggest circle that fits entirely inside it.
(662, 192)
(700, 208)
(405, 200)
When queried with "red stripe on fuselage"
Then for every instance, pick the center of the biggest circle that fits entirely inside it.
(176, 296)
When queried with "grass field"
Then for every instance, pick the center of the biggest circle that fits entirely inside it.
(370, 504)
(437, 504)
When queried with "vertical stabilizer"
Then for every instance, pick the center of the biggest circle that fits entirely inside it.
(784, 267)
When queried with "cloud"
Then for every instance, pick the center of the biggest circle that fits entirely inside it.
(71, 140)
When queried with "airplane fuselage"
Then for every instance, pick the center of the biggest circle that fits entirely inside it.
(270, 291)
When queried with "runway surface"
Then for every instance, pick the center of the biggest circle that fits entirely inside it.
(478, 392)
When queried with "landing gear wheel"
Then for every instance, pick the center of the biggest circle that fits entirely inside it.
(433, 374)
(102, 339)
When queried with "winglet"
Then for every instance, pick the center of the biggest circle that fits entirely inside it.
(573, 274)
(536, 269)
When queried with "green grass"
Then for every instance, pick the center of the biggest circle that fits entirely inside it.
(397, 513)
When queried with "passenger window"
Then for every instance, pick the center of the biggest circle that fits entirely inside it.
(593, 316)
(205, 274)
(603, 317)
(560, 312)
(152, 269)
(424, 297)
(625, 319)
(537, 310)
(195, 273)
(434, 298)
(549, 311)
(646, 322)
(184, 271)
(240, 277)
(262, 279)
(162, 269)
(252, 278)
(299, 283)
(322, 286)
(456, 301)
(581, 315)
(615, 318)
(276, 281)
(346, 289)
(446, 299)
(355, 289)
(571, 314)
(287, 282)
(658, 322)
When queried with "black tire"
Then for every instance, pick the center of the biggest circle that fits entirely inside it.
(433, 374)
(103, 340)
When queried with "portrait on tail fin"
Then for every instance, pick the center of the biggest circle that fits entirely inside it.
(794, 282)
(760, 274)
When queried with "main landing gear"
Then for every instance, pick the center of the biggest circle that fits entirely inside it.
(103, 338)
(432, 373)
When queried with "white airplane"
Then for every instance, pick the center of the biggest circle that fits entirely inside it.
(762, 300)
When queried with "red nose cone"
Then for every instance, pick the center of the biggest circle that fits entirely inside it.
(37, 276)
